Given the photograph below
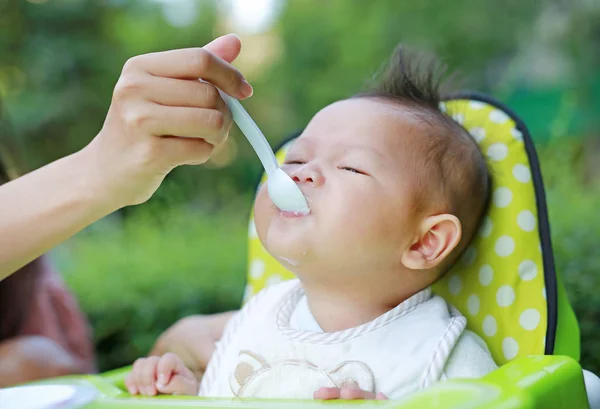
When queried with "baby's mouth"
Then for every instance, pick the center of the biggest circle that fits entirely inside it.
(298, 214)
(293, 215)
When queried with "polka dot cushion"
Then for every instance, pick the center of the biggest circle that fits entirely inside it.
(499, 282)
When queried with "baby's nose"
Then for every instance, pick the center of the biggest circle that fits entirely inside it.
(308, 175)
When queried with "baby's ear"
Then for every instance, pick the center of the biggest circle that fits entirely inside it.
(438, 236)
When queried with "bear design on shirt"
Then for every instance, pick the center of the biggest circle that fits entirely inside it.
(253, 376)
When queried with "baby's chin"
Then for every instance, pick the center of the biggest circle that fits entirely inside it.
(289, 246)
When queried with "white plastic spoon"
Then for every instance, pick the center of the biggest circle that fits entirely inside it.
(283, 191)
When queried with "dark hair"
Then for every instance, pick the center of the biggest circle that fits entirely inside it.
(453, 170)
(17, 290)
(412, 77)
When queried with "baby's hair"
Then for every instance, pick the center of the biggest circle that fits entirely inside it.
(452, 171)
(410, 76)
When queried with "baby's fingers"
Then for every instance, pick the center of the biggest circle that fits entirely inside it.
(327, 393)
(148, 376)
(346, 394)
(180, 385)
(130, 384)
(168, 365)
(141, 378)
(355, 394)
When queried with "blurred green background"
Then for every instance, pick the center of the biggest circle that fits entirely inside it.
(184, 252)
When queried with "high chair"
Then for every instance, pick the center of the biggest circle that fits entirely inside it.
(505, 284)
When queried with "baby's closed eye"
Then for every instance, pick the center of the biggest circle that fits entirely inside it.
(353, 170)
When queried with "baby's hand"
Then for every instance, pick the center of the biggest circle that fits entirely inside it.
(347, 394)
(166, 375)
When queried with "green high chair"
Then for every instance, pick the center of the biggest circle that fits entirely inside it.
(505, 284)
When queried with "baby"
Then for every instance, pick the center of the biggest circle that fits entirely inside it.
(396, 190)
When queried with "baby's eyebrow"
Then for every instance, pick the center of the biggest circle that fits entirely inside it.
(301, 142)
(307, 143)
(365, 149)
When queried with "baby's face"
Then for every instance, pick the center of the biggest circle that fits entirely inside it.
(353, 164)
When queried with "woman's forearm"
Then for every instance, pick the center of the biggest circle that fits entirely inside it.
(45, 207)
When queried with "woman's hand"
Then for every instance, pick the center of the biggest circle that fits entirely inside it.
(162, 116)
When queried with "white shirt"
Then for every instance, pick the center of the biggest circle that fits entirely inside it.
(274, 348)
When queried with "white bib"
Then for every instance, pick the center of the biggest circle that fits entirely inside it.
(260, 355)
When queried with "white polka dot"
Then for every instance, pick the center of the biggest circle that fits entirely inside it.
(527, 270)
(522, 173)
(497, 152)
(459, 117)
(486, 274)
(257, 268)
(529, 319)
(498, 116)
(248, 292)
(486, 227)
(505, 296)
(469, 257)
(489, 326)
(454, 285)
(526, 220)
(476, 105)
(505, 246)
(252, 230)
(273, 280)
(510, 348)
(473, 304)
(477, 133)
(544, 293)
(518, 135)
(442, 107)
(502, 197)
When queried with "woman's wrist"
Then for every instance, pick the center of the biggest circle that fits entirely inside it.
(91, 186)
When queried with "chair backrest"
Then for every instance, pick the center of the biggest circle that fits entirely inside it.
(505, 283)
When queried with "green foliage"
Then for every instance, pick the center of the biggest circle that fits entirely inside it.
(137, 276)
(575, 225)
(332, 47)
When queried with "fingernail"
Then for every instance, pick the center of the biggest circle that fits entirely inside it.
(246, 90)
(162, 379)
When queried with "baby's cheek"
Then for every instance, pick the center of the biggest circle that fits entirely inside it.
(351, 227)
(262, 212)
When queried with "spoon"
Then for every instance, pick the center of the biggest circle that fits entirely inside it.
(283, 191)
